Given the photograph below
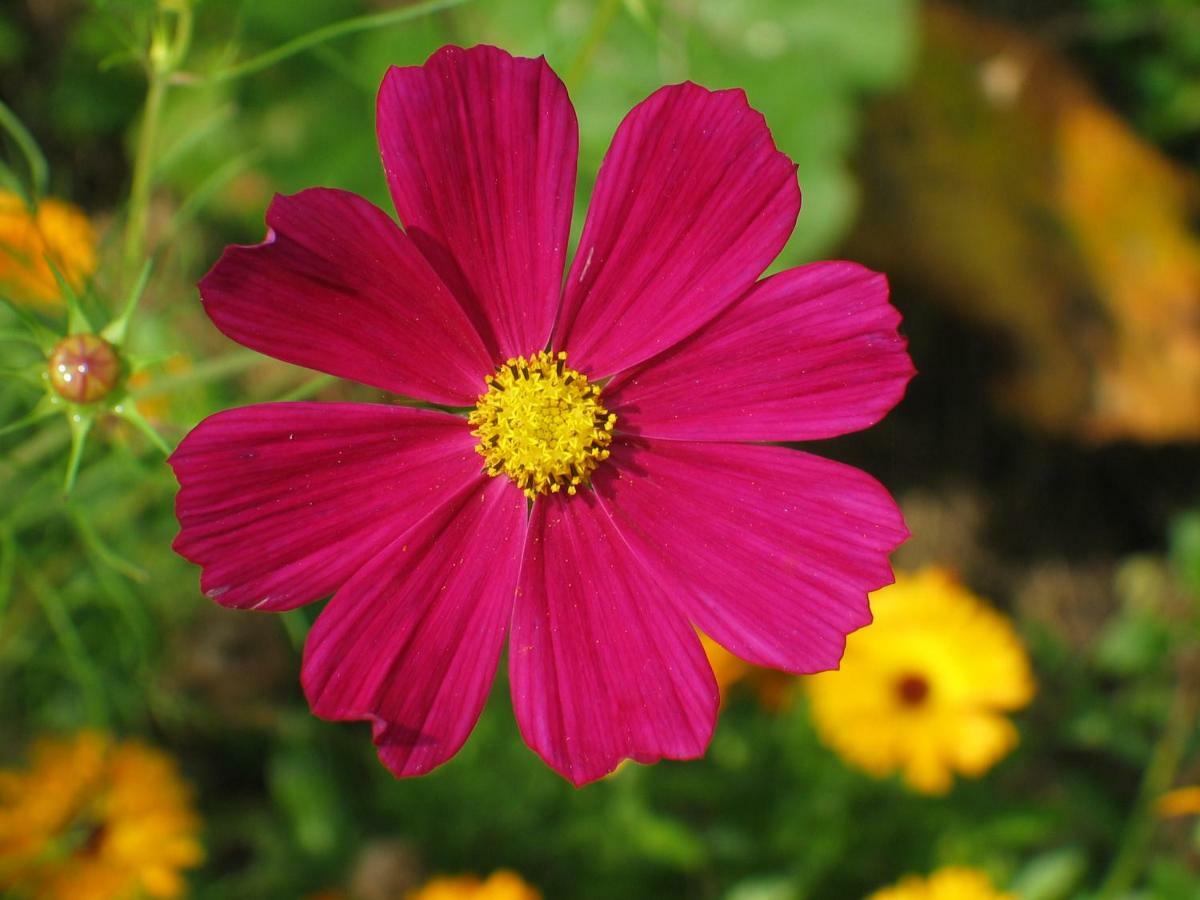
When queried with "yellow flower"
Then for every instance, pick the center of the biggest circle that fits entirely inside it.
(1184, 801)
(924, 689)
(96, 819)
(58, 230)
(951, 883)
(500, 885)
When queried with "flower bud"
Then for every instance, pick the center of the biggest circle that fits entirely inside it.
(83, 368)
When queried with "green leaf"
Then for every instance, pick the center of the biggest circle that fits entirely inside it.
(116, 331)
(127, 410)
(44, 409)
(34, 159)
(80, 422)
(77, 318)
(304, 789)
(1185, 550)
(1051, 876)
(38, 333)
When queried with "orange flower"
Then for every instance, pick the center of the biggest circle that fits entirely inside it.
(1184, 801)
(500, 885)
(58, 230)
(952, 883)
(96, 819)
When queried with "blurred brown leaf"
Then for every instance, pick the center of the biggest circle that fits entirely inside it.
(1000, 187)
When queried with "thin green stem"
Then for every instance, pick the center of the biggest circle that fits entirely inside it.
(606, 13)
(208, 189)
(165, 55)
(1130, 859)
(18, 337)
(36, 162)
(103, 554)
(139, 193)
(44, 442)
(201, 373)
(8, 566)
(295, 625)
(39, 413)
(81, 425)
(310, 387)
(82, 668)
(10, 180)
(129, 412)
(319, 36)
(39, 333)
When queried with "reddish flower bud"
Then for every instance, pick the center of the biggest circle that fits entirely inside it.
(83, 368)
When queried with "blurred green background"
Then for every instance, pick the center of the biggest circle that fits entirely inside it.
(1026, 174)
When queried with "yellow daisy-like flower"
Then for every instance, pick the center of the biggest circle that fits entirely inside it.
(953, 883)
(924, 690)
(96, 819)
(58, 230)
(500, 885)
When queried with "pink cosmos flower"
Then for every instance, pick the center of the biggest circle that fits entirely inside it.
(628, 493)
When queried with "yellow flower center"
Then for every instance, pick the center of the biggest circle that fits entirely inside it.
(542, 424)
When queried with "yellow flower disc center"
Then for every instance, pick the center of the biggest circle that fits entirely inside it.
(542, 424)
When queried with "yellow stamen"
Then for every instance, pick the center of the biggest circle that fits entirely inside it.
(542, 424)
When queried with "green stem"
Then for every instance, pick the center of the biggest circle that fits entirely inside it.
(38, 171)
(26, 455)
(18, 337)
(606, 12)
(319, 36)
(201, 373)
(295, 625)
(139, 194)
(82, 668)
(164, 57)
(306, 390)
(208, 189)
(129, 412)
(8, 566)
(80, 425)
(1130, 859)
(103, 554)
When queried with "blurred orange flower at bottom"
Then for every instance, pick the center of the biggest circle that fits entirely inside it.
(951, 883)
(500, 885)
(92, 818)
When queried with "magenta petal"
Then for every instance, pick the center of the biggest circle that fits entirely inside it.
(411, 643)
(337, 287)
(692, 203)
(810, 353)
(603, 666)
(480, 150)
(770, 551)
(281, 503)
